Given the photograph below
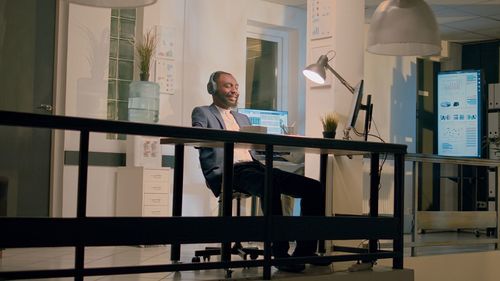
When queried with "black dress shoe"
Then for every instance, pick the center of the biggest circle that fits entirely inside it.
(295, 268)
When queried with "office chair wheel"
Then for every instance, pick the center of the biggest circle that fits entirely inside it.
(206, 258)
(195, 259)
(229, 273)
(254, 256)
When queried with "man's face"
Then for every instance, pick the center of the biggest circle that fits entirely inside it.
(226, 95)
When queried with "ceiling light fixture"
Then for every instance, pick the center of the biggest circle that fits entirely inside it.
(115, 4)
(403, 28)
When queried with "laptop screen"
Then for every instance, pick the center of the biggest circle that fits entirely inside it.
(271, 119)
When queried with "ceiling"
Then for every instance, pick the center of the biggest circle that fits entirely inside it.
(459, 20)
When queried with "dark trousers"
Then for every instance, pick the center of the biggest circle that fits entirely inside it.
(249, 177)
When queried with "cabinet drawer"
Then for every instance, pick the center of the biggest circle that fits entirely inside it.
(155, 211)
(151, 175)
(156, 199)
(155, 187)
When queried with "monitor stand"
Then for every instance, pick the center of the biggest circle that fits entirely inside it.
(368, 107)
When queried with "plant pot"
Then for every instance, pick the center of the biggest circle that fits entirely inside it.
(329, 135)
(144, 76)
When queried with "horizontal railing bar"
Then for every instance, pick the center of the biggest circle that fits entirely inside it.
(101, 231)
(110, 126)
(186, 266)
(97, 271)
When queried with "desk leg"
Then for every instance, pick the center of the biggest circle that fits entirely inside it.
(323, 163)
(175, 254)
(398, 246)
(268, 193)
(227, 194)
(374, 195)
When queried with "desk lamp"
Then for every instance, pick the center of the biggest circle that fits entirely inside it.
(316, 73)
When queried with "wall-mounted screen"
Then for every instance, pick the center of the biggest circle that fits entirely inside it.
(273, 120)
(459, 113)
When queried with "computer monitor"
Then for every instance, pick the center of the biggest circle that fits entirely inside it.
(460, 113)
(356, 106)
(273, 120)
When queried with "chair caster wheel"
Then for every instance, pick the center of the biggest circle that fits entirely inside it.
(195, 259)
(229, 273)
(206, 258)
(254, 256)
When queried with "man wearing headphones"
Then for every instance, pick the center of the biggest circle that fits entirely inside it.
(249, 173)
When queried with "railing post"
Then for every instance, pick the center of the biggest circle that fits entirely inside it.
(81, 200)
(323, 164)
(268, 213)
(227, 194)
(374, 195)
(398, 245)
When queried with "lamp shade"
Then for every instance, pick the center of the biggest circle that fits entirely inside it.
(403, 28)
(116, 4)
(316, 71)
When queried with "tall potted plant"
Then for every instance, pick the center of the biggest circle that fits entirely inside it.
(145, 50)
(144, 96)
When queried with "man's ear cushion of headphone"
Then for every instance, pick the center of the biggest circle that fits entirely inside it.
(212, 85)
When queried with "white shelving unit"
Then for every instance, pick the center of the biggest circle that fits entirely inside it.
(144, 192)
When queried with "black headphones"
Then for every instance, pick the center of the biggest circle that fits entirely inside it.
(212, 85)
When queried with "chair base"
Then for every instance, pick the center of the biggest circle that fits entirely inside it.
(237, 249)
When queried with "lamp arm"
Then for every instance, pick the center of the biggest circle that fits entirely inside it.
(342, 80)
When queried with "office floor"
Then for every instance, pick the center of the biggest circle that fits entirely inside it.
(58, 258)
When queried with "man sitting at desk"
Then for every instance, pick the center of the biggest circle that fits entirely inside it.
(249, 174)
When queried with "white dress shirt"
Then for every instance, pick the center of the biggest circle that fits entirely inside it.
(240, 154)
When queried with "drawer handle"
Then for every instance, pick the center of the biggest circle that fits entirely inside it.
(156, 200)
(156, 187)
(155, 212)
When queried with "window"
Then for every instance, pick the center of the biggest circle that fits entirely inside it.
(266, 69)
(121, 64)
(261, 78)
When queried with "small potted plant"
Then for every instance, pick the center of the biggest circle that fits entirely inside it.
(145, 50)
(329, 122)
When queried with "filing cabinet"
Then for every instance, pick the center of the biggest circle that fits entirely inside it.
(143, 192)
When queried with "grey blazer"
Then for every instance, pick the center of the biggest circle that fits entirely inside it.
(212, 159)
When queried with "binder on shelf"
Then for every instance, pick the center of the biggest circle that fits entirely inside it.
(493, 123)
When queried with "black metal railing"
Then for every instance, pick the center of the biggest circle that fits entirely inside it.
(84, 231)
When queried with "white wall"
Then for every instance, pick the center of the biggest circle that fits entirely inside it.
(346, 21)
(209, 35)
(215, 39)
(392, 82)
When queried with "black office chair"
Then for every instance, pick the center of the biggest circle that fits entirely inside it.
(237, 248)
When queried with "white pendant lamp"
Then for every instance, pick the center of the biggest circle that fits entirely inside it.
(116, 4)
(403, 28)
